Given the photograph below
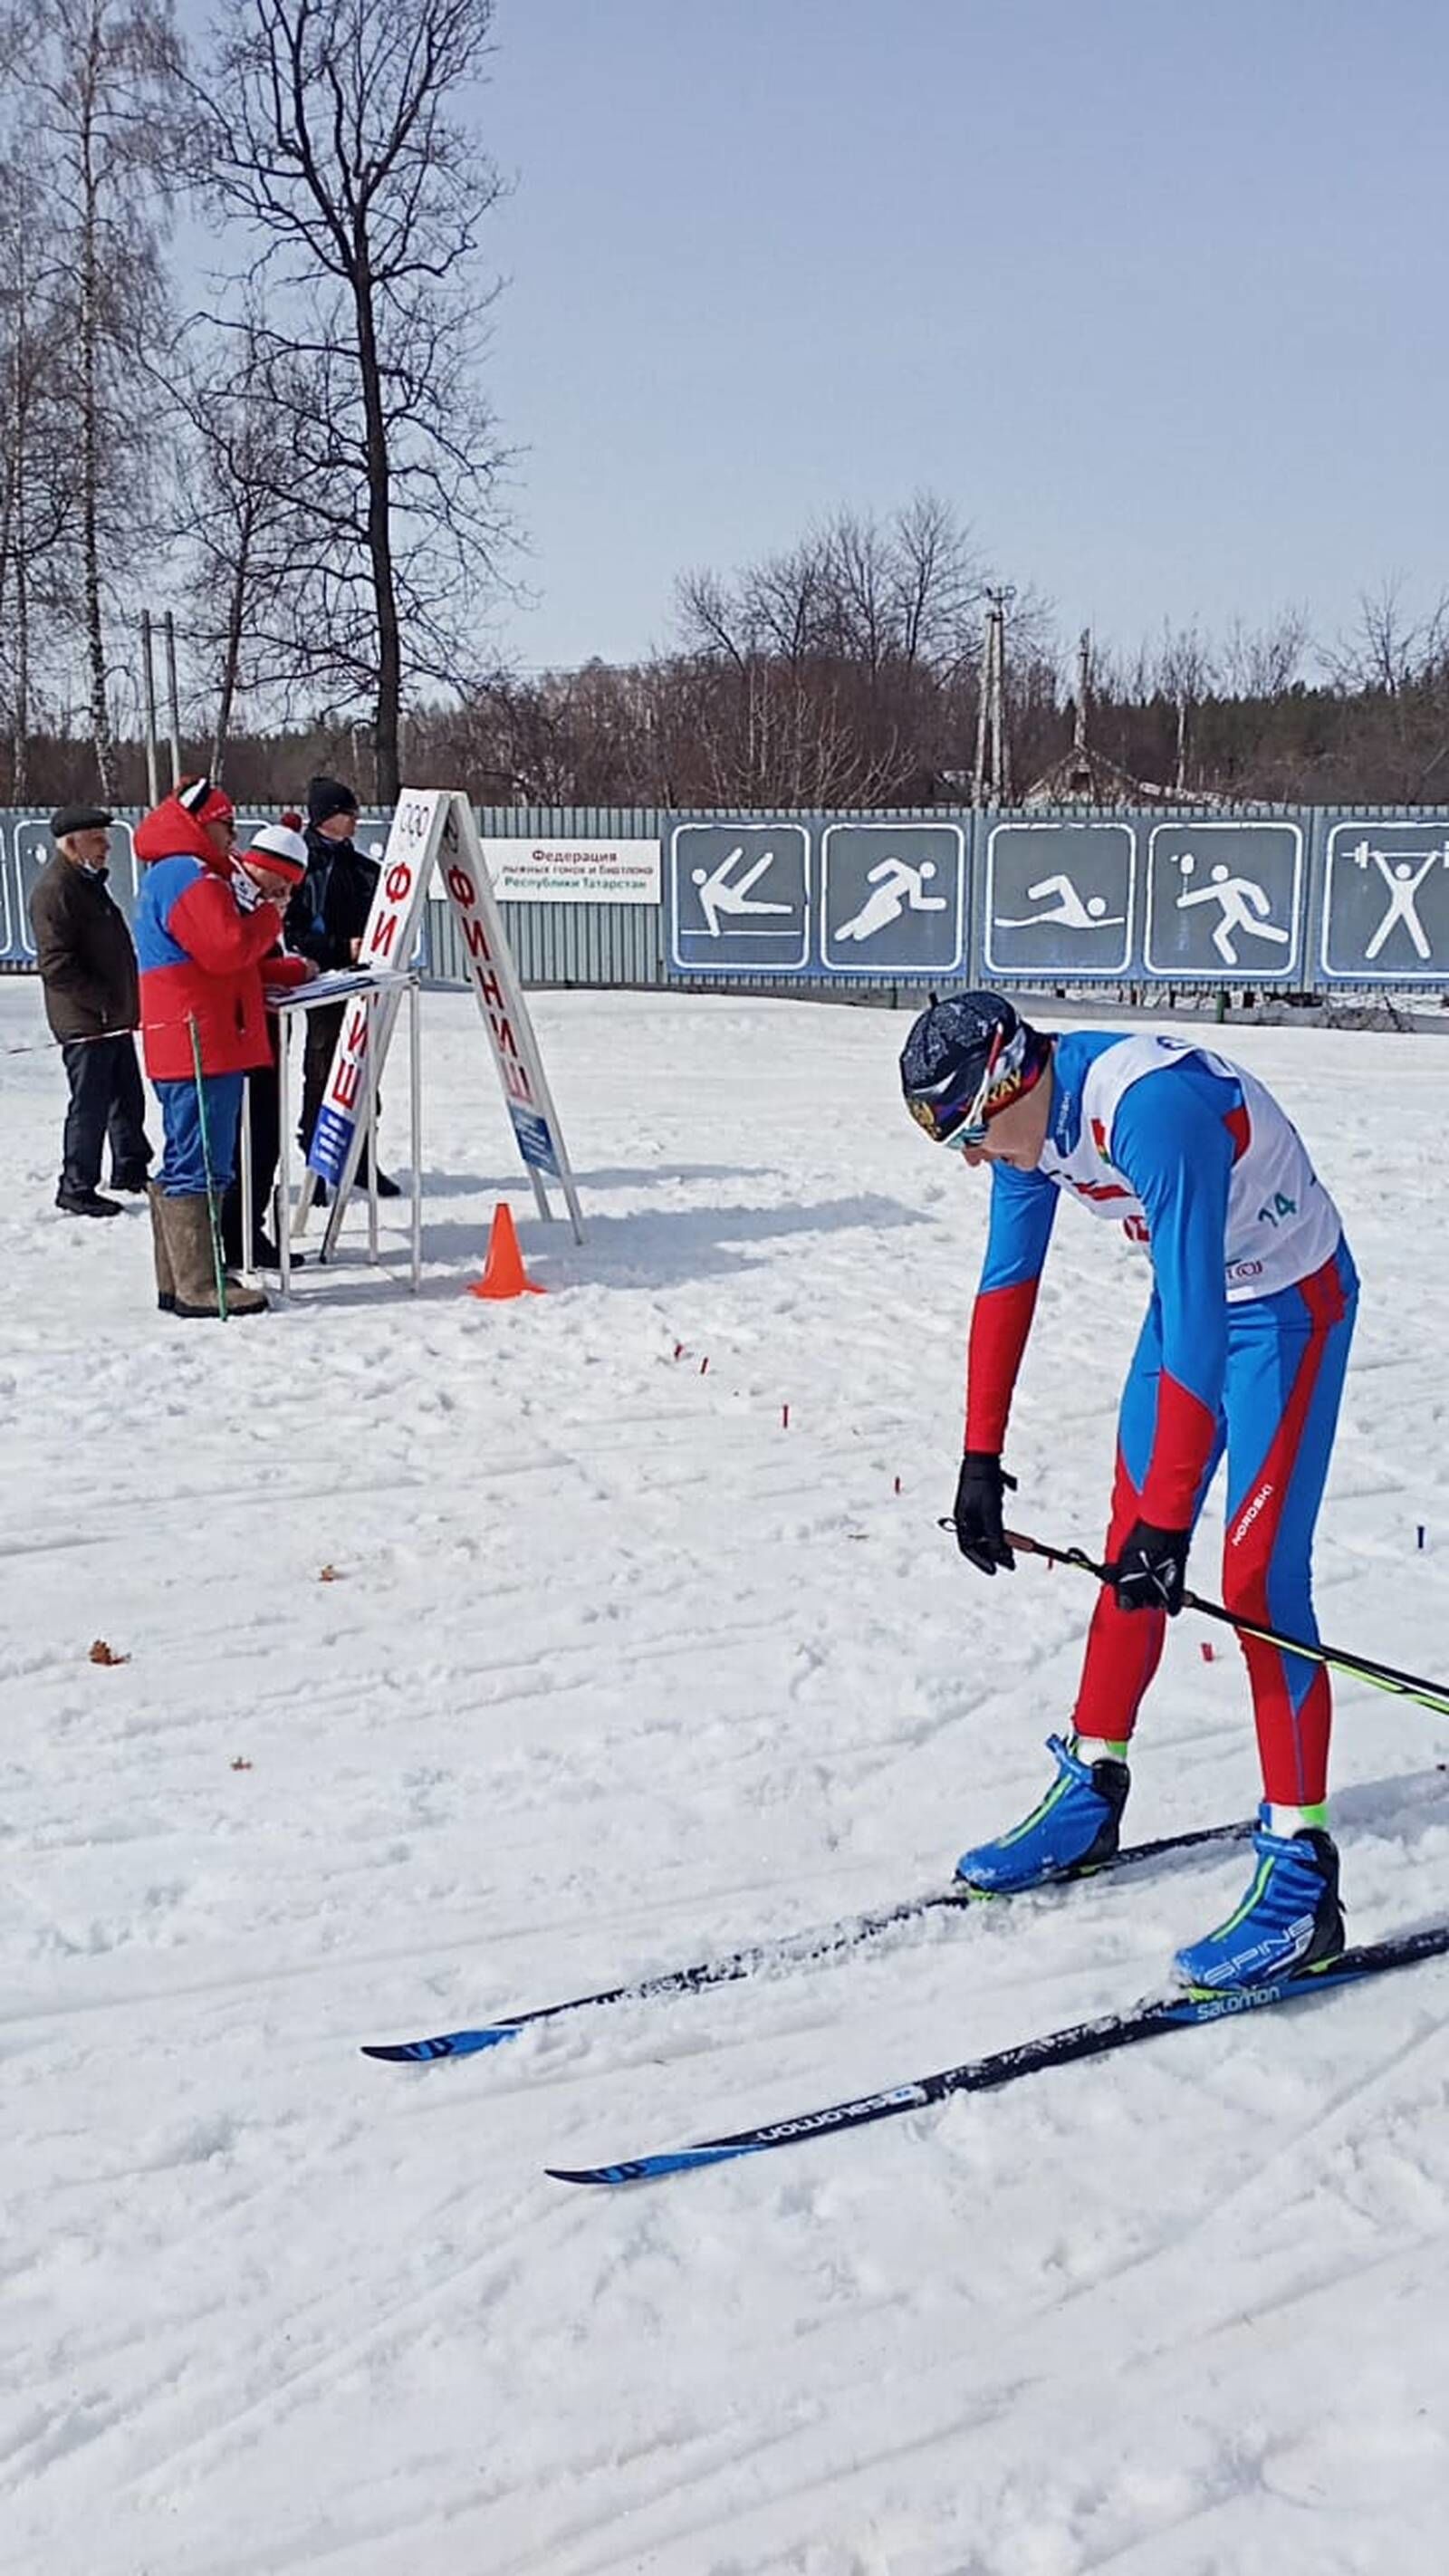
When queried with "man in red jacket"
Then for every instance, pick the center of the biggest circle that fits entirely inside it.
(201, 934)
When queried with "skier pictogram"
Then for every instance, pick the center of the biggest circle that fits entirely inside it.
(898, 888)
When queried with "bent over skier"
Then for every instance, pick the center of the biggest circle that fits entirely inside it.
(1242, 1351)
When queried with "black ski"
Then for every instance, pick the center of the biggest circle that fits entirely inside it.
(1029, 2057)
(791, 1949)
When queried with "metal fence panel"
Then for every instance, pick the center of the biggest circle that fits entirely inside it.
(1301, 899)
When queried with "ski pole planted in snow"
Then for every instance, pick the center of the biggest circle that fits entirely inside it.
(213, 1203)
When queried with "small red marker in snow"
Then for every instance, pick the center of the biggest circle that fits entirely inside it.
(898, 1484)
(704, 1363)
(784, 1417)
(679, 1350)
(1207, 1652)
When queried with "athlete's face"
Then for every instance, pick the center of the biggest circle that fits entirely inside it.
(1017, 1133)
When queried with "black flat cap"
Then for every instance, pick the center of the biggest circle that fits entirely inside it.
(78, 818)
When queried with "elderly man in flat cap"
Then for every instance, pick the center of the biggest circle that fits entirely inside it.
(88, 969)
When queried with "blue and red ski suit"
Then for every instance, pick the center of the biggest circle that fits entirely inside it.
(1242, 1351)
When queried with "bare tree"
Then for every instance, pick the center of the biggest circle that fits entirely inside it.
(38, 481)
(904, 591)
(1182, 669)
(101, 78)
(845, 667)
(244, 512)
(1265, 661)
(331, 127)
(1389, 650)
(779, 607)
(910, 591)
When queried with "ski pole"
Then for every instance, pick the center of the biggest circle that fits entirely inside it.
(1363, 1667)
(213, 1204)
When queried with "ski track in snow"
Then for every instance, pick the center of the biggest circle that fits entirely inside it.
(617, 1671)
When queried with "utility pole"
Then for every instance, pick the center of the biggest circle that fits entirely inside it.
(1000, 745)
(173, 702)
(993, 752)
(1084, 685)
(148, 692)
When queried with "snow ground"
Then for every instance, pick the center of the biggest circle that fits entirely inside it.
(617, 1670)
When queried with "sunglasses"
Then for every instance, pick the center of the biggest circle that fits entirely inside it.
(970, 1130)
(966, 1138)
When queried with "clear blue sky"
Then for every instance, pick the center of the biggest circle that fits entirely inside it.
(1152, 290)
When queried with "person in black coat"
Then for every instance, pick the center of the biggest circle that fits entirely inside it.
(325, 921)
(88, 969)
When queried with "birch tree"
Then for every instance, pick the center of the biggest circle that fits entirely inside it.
(101, 87)
(38, 482)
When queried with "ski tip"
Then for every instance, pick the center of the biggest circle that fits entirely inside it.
(448, 2043)
(406, 2052)
(646, 2168)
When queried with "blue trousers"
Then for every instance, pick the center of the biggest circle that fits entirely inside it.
(183, 1164)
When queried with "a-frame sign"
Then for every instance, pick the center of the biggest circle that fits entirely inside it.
(435, 827)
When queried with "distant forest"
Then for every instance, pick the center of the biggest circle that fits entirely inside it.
(792, 685)
(738, 715)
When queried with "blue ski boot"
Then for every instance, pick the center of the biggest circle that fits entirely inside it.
(1074, 1829)
(1289, 1923)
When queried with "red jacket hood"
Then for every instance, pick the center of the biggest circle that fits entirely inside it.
(169, 832)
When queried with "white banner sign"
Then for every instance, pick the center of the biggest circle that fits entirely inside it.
(573, 871)
(387, 941)
(494, 978)
(433, 831)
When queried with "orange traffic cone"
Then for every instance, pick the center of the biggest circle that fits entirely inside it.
(503, 1271)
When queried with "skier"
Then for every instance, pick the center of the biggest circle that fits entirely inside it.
(1243, 1349)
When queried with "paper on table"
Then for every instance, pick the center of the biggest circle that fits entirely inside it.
(333, 985)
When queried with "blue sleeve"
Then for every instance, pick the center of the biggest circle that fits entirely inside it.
(1023, 1206)
(1023, 1210)
(1172, 1140)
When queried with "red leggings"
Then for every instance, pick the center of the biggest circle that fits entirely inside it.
(1286, 1360)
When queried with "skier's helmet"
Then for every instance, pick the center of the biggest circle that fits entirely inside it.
(965, 1059)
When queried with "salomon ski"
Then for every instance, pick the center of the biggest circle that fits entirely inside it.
(1030, 2057)
(792, 1949)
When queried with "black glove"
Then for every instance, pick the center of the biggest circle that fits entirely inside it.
(1151, 1569)
(979, 1534)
